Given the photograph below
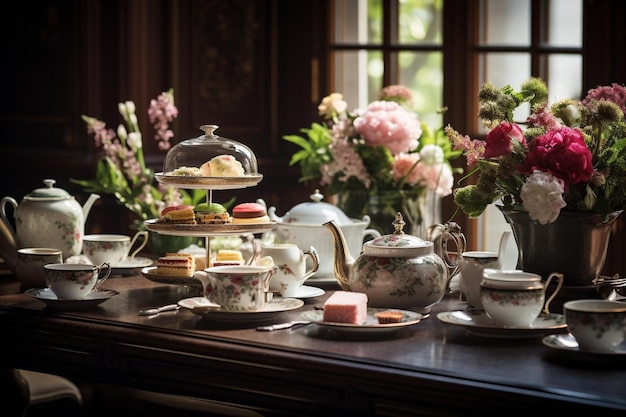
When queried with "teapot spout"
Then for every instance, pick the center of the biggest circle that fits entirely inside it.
(87, 206)
(343, 259)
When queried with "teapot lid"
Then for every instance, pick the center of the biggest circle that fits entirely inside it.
(398, 244)
(316, 212)
(49, 192)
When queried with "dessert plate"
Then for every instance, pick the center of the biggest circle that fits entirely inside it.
(150, 273)
(209, 310)
(92, 299)
(478, 323)
(213, 183)
(202, 230)
(371, 324)
(128, 266)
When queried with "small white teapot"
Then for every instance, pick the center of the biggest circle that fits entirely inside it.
(399, 270)
(48, 217)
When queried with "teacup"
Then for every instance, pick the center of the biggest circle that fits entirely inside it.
(471, 265)
(111, 248)
(30, 262)
(291, 264)
(515, 298)
(75, 281)
(237, 288)
(597, 325)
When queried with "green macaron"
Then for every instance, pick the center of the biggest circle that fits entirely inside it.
(210, 208)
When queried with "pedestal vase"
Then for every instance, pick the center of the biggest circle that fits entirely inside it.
(575, 245)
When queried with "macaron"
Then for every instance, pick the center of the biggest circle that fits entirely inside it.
(210, 208)
(174, 208)
(250, 213)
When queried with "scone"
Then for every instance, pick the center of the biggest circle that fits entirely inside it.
(222, 166)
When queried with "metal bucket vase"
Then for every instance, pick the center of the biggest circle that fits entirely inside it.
(575, 245)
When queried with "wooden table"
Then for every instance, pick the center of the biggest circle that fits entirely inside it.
(431, 368)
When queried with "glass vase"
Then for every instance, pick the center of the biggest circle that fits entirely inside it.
(419, 212)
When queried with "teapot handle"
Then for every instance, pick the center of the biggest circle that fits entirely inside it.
(3, 214)
(440, 234)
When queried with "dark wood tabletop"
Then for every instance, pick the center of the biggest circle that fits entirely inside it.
(430, 368)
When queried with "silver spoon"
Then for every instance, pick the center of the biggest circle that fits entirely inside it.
(153, 311)
(281, 326)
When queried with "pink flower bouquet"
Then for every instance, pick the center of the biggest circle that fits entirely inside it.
(380, 154)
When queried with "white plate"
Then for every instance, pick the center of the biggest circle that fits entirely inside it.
(127, 266)
(209, 310)
(371, 324)
(209, 183)
(202, 230)
(507, 252)
(309, 292)
(478, 323)
(92, 299)
(567, 342)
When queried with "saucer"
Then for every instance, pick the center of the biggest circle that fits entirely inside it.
(127, 266)
(371, 324)
(211, 311)
(567, 342)
(92, 299)
(477, 322)
(306, 291)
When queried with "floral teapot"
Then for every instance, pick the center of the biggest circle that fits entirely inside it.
(399, 270)
(48, 217)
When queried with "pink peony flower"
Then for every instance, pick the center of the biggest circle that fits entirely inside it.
(406, 164)
(386, 123)
(542, 196)
(563, 153)
(500, 140)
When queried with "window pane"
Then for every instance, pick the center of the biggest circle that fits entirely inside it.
(358, 76)
(565, 23)
(565, 77)
(506, 69)
(420, 22)
(422, 73)
(358, 21)
(505, 22)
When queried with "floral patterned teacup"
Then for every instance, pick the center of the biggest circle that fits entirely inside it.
(597, 325)
(112, 249)
(75, 281)
(291, 266)
(30, 263)
(515, 298)
(237, 288)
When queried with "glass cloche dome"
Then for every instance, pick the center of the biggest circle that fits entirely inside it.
(210, 161)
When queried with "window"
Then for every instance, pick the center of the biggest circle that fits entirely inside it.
(380, 42)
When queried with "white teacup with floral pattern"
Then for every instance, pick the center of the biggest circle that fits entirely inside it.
(30, 263)
(514, 298)
(237, 288)
(597, 325)
(111, 248)
(75, 281)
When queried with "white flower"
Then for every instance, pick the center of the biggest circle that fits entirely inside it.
(542, 195)
(331, 105)
(134, 141)
(432, 154)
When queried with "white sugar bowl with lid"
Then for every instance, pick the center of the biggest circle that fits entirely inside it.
(49, 217)
(398, 270)
(303, 226)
